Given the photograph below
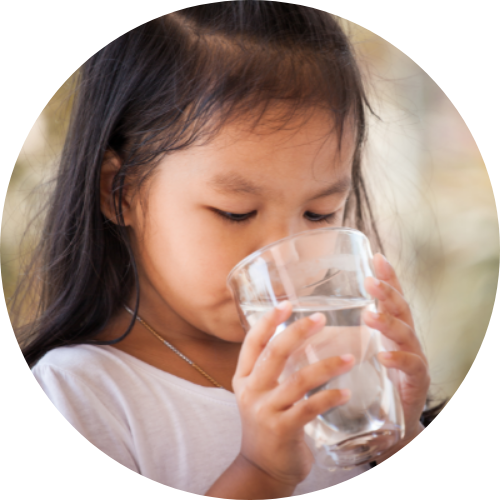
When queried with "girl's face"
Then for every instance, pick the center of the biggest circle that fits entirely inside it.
(211, 205)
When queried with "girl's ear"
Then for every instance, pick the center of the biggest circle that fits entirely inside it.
(110, 167)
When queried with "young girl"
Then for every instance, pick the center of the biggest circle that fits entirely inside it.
(196, 139)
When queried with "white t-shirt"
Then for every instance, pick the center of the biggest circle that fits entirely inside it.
(159, 425)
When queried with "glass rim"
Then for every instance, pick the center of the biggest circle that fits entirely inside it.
(242, 263)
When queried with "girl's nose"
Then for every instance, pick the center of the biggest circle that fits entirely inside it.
(279, 232)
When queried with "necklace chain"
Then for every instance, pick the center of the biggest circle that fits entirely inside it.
(175, 350)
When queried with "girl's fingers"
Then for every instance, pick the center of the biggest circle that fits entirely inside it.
(390, 300)
(272, 359)
(384, 271)
(394, 329)
(301, 382)
(412, 365)
(258, 337)
(306, 410)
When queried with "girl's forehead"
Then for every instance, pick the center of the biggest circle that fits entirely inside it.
(280, 127)
(244, 155)
(313, 138)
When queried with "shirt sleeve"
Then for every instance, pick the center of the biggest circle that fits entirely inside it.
(89, 411)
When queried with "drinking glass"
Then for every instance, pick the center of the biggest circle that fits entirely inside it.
(324, 270)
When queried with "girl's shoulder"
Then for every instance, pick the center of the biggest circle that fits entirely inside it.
(79, 367)
(103, 369)
(79, 360)
(99, 366)
(106, 369)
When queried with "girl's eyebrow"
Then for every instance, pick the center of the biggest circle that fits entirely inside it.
(341, 186)
(233, 183)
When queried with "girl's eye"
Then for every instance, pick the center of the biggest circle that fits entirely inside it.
(232, 217)
(318, 217)
(235, 217)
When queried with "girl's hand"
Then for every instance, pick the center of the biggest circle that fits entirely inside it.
(395, 321)
(274, 414)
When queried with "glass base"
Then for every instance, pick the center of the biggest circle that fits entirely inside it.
(361, 449)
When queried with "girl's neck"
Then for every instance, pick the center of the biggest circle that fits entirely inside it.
(215, 356)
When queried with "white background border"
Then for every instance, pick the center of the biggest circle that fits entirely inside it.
(44, 42)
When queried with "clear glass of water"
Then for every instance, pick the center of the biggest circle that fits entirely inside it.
(324, 270)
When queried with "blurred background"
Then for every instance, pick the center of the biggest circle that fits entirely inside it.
(433, 198)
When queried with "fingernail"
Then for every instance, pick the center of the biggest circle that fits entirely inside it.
(347, 358)
(374, 315)
(385, 261)
(345, 394)
(283, 305)
(317, 317)
(385, 355)
(376, 282)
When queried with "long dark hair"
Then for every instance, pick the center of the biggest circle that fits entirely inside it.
(156, 90)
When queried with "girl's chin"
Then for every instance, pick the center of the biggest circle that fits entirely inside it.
(232, 338)
(234, 334)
